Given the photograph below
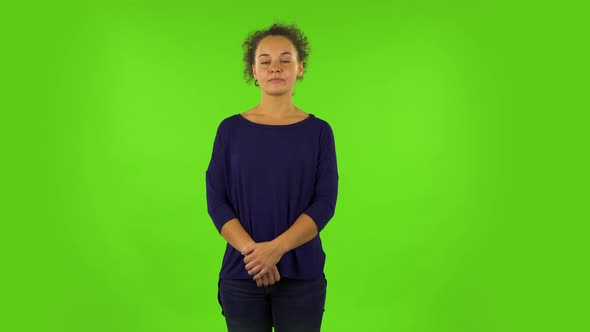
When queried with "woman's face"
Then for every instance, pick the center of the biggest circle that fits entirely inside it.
(275, 65)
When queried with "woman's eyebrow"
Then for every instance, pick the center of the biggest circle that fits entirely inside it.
(269, 54)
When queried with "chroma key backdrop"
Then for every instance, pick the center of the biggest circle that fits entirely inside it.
(461, 141)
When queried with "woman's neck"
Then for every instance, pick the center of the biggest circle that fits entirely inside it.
(276, 106)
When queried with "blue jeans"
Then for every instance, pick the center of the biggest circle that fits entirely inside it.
(289, 305)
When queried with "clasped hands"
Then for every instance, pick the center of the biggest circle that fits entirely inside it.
(261, 262)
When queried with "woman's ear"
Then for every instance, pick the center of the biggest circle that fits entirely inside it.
(300, 70)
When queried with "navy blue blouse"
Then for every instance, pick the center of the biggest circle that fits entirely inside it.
(266, 176)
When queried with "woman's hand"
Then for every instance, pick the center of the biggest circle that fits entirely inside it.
(269, 278)
(261, 258)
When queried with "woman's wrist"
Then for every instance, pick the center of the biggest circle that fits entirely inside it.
(246, 246)
(280, 246)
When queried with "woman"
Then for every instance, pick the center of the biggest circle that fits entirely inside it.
(272, 185)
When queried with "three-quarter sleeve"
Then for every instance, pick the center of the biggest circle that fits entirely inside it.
(218, 206)
(323, 204)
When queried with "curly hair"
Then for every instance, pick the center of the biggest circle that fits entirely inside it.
(291, 32)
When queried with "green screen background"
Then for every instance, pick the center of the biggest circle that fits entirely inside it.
(461, 150)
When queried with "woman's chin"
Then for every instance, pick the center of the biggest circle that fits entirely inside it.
(277, 92)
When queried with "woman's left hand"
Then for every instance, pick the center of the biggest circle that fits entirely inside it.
(261, 257)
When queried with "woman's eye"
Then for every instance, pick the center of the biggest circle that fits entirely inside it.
(267, 62)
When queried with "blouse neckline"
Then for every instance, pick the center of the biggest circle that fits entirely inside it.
(256, 124)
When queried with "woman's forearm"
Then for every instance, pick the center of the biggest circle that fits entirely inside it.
(302, 231)
(234, 233)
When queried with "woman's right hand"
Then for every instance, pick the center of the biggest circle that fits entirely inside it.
(269, 278)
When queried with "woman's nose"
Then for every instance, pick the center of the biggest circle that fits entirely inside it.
(275, 68)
